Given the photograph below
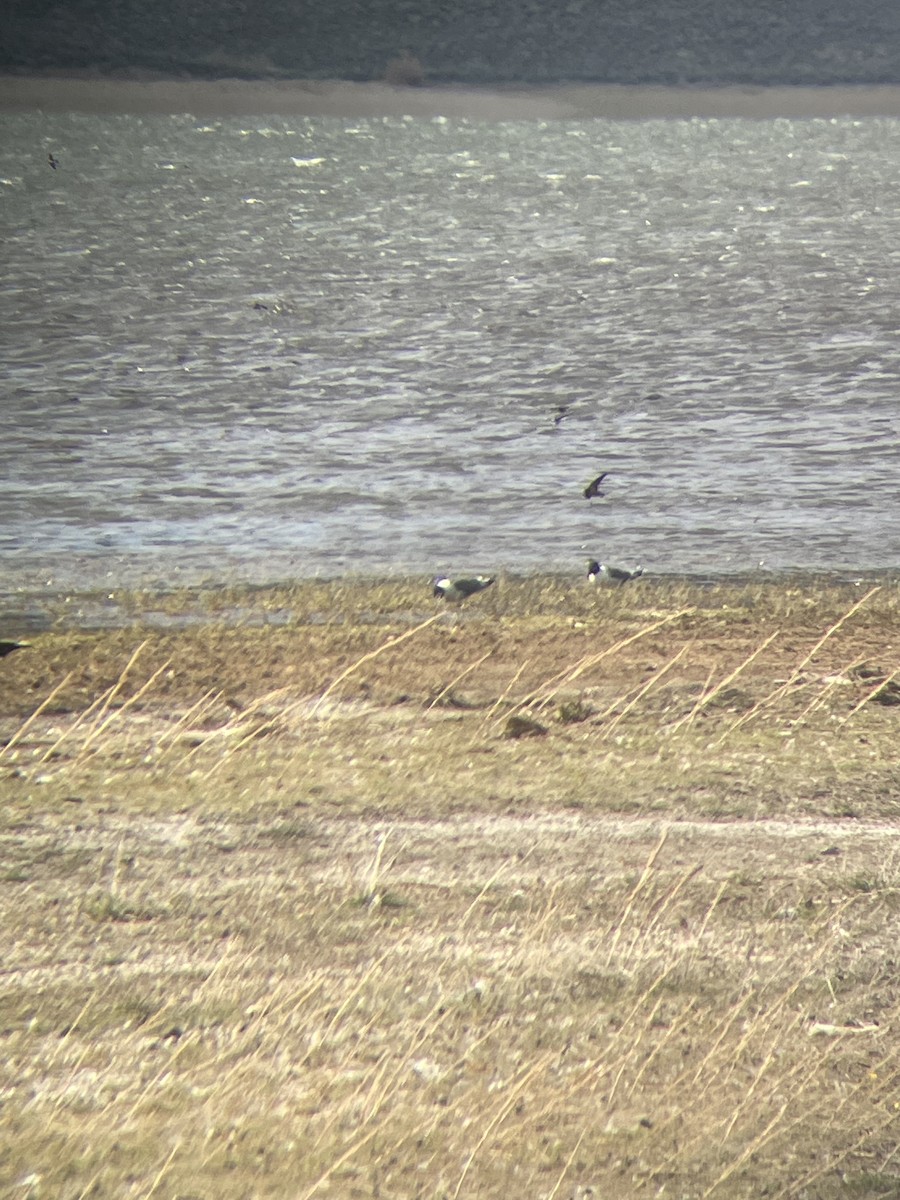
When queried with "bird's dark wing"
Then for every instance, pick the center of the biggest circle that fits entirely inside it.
(468, 587)
(593, 488)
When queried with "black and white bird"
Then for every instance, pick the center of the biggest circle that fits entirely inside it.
(9, 647)
(457, 590)
(606, 576)
(52, 160)
(593, 488)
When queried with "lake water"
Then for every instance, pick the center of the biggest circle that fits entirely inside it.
(270, 348)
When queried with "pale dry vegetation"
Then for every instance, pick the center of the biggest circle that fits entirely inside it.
(290, 909)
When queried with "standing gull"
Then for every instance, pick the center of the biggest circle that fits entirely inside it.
(607, 576)
(457, 590)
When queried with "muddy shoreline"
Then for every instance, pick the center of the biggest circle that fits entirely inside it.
(337, 98)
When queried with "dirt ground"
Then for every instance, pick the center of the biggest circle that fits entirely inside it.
(334, 891)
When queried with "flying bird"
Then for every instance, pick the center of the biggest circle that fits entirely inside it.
(457, 590)
(606, 576)
(9, 647)
(593, 488)
(52, 160)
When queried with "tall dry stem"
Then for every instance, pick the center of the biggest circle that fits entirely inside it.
(566, 1165)
(98, 709)
(546, 692)
(389, 644)
(871, 693)
(708, 696)
(797, 672)
(458, 678)
(162, 1171)
(370, 890)
(503, 1110)
(635, 892)
(103, 725)
(819, 701)
(489, 717)
(41, 708)
(82, 719)
(640, 694)
(206, 702)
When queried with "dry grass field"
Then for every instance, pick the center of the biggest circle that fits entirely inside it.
(328, 891)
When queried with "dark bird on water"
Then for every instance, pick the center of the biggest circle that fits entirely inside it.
(9, 647)
(606, 576)
(457, 590)
(52, 160)
(593, 488)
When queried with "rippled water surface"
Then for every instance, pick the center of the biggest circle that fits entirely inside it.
(279, 348)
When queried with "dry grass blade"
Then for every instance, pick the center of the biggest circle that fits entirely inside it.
(501, 699)
(196, 711)
(504, 866)
(370, 888)
(385, 1081)
(348, 999)
(821, 699)
(753, 1148)
(708, 696)
(247, 726)
(888, 1121)
(88, 1187)
(832, 629)
(162, 1171)
(82, 719)
(503, 1111)
(547, 691)
(644, 934)
(38, 712)
(640, 694)
(120, 682)
(353, 1149)
(678, 1027)
(566, 1165)
(103, 725)
(797, 672)
(762, 1034)
(872, 693)
(388, 645)
(97, 710)
(635, 892)
(458, 678)
(93, 998)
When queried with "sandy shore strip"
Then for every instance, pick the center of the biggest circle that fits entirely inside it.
(233, 97)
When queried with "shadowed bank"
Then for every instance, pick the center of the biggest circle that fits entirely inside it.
(333, 98)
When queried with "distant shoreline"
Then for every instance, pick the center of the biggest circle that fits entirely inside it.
(336, 98)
